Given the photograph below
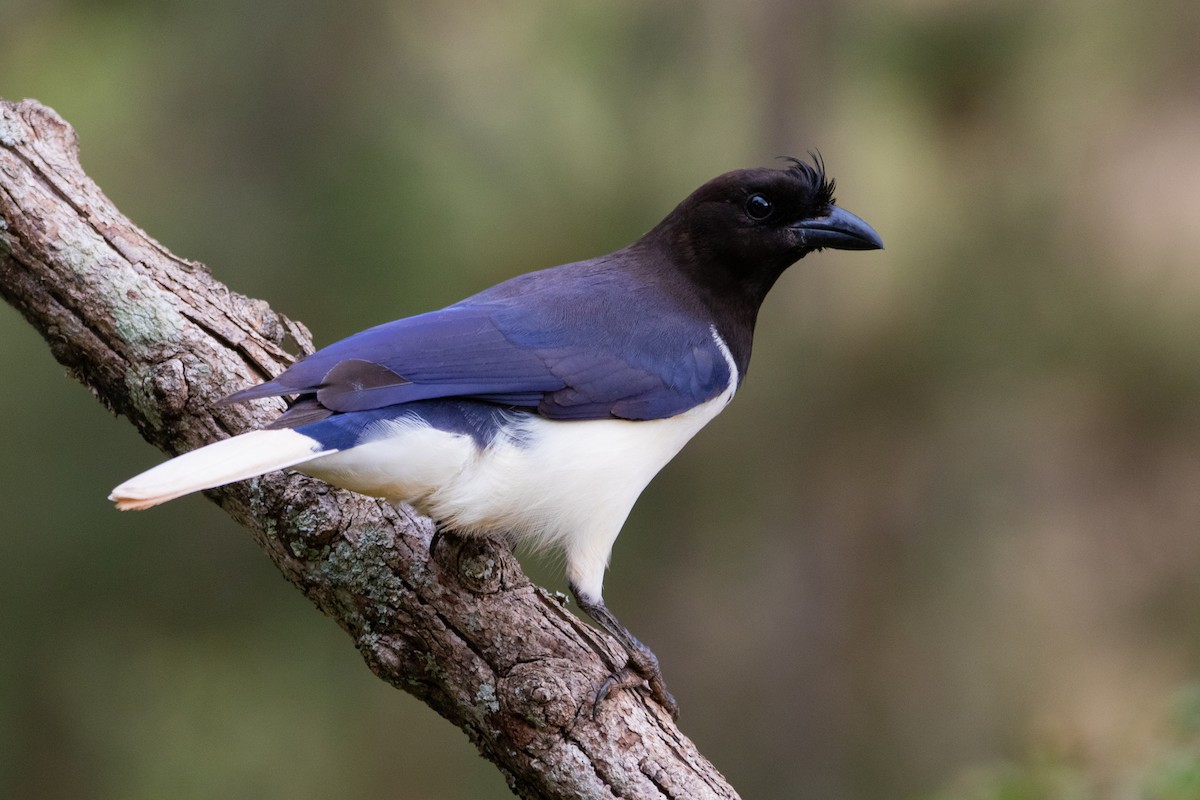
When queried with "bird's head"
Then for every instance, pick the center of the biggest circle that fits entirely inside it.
(748, 226)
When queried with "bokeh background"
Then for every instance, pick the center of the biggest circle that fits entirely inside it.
(946, 543)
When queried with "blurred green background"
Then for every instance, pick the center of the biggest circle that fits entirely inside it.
(946, 543)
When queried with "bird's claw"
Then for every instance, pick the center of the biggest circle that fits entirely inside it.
(658, 690)
(440, 529)
(634, 673)
(624, 678)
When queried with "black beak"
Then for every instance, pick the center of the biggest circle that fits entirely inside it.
(838, 229)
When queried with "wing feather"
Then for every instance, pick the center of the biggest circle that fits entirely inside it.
(563, 354)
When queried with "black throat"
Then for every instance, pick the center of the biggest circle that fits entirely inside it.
(729, 295)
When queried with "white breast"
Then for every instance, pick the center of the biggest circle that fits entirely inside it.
(570, 484)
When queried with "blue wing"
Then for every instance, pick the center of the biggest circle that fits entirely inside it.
(591, 346)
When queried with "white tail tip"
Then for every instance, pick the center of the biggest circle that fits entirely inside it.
(130, 504)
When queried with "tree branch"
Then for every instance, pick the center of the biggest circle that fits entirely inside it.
(158, 340)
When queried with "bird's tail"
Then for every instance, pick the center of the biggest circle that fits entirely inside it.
(245, 456)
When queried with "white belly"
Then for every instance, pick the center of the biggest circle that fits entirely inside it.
(549, 482)
(565, 483)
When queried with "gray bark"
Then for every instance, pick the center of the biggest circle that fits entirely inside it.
(158, 340)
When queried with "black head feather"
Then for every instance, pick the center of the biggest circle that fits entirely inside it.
(814, 174)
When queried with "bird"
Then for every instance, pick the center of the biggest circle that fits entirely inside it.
(544, 405)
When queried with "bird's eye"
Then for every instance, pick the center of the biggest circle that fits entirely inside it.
(758, 206)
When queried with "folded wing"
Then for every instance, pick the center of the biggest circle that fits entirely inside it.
(561, 359)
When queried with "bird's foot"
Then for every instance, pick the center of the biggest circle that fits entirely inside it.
(645, 664)
(642, 667)
(440, 531)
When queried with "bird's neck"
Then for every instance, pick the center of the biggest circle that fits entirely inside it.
(728, 298)
(733, 316)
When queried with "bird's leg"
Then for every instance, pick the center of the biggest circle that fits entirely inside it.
(642, 664)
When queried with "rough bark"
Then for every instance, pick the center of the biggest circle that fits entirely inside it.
(158, 340)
